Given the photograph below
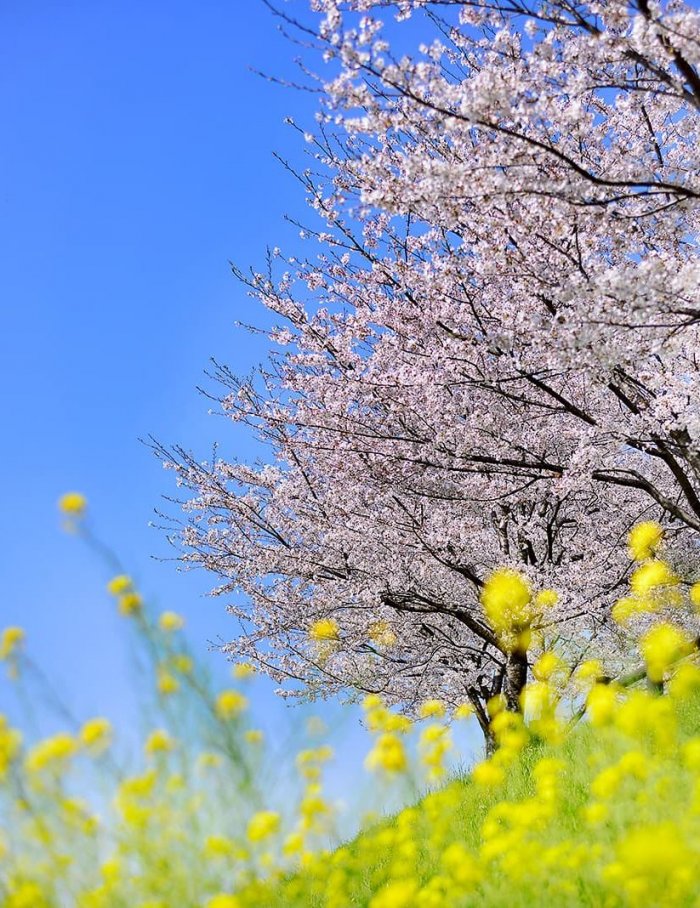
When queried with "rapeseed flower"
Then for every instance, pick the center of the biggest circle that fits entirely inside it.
(263, 825)
(10, 746)
(546, 599)
(11, 640)
(432, 709)
(182, 664)
(129, 604)
(644, 539)
(661, 646)
(324, 630)
(223, 900)
(159, 741)
(694, 595)
(396, 894)
(52, 754)
(388, 754)
(119, 584)
(548, 665)
(96, 735)
(506, 598)
(167, 683)
(73, 504)
(230, 703)
(171, 622)
(651, 575)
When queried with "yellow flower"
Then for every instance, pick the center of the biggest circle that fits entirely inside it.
(600, 704)
(685, 680)
(628, 607)
(293, 844)
(230, 703)
(111, 870)
(10, 641)
(182, 663)
(10, 746)
(254, 736)
(650, 575)
(388, 754)
(167, 683)
(695, 595)
(595, 813)
(496, 705)
(96, 735)
(372, 701)
(73, 504)
(432, 709)
(691, 754)
(242, 671)
(644, 539)
(218, 846)
(171, 621)
(506, 598)
(548, 665)
(119, 584)
(461, 865)
(324, 630)
(26, 895)
(464, 711)
(546, 599)
(129, 604)
(262, 825)
(488, 774)
(635, 764)
(396, 894)
(661, 647)
(159, 741)
(589, 671)
(52, 753)
(208, 760)
(223, 900)
(656, 866)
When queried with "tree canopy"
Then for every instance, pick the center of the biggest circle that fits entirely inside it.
(488, 363)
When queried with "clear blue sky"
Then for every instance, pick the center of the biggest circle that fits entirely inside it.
(136, 160)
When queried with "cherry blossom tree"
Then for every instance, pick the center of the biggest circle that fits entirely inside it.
(490, 359)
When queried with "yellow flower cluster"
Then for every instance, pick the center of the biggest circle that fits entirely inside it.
(604, 812)
(11, 640)
(324, 630)
(654, 586)
(129, 602)
(262, 825)
(230, 703)
(10, 746)
(389, 752)
(511, 608)
(53, 754)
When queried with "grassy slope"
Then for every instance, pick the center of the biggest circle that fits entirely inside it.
(641, 853)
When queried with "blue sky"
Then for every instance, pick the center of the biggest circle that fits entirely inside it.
(136, 161)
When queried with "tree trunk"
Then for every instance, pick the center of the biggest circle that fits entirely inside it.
(515, 679)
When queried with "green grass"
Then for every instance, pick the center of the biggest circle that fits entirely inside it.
(523, 845)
